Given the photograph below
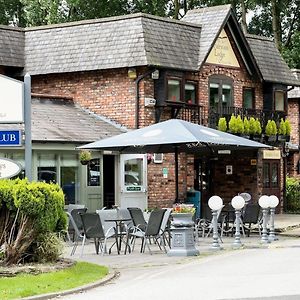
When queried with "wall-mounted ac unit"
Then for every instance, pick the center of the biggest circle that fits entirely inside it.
(158, 158)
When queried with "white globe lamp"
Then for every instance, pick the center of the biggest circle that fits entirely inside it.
(238, 202)
(273, 201)
(215, 203)
(264, 201)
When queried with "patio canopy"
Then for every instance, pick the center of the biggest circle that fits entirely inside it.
(173, 136)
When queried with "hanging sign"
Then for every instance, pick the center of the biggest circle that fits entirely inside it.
(11, 100)
(9, 168)
(10, 138)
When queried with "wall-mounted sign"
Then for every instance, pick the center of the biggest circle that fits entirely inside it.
(9, 168)
(228, 170)
(133, 188)
(271, 154)
(11, 100)
(165, 172)
(222, 52)
(10, 138)
(253, 162)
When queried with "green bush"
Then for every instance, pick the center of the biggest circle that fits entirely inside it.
(252, 126)
(232, 125)
(246, 126)
(288, 127)
(258, 127)
(282, 127)
(271, 128)
(240, 125)
(293, 194)
(222, 124)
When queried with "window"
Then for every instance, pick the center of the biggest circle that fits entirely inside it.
(279, 100)
(190, 93)
(133, 172)
(181, 91)
(174, 90)
(270, 175)
(93, 172)
(248, 98)
(220, 93)
(47, 174)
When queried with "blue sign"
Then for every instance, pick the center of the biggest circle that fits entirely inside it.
(10, 138)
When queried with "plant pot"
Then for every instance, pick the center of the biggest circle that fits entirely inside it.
(281, 138)
(84, 162)
(256, 137)
(270, 138)
(182, 220)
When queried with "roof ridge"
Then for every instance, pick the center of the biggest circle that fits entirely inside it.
(14, 28)
(208, 8)
(110, 19)
(258, 37)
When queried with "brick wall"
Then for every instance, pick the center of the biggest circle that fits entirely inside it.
(293, 116)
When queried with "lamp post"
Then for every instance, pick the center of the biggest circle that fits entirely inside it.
(237, 202)
(215, 203)
(274, 201)
(264, 203)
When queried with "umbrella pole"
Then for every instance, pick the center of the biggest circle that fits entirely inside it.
(176, 175)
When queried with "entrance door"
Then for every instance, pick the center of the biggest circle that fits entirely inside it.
(133, 180)
(108, 181)
(271, 177)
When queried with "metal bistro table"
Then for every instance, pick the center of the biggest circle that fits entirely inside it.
(119, 234)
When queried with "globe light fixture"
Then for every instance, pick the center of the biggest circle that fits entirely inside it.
(264, 203)
(215, 203)
(237, 202)
(274, 201)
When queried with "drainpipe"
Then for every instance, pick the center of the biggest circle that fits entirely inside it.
(137, 97)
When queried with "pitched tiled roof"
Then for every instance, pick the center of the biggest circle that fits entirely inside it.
(272, 66)
(211, 20)
(11, 46)
(133, 40)
(57, 120)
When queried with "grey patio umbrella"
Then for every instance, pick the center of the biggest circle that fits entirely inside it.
(173, 136)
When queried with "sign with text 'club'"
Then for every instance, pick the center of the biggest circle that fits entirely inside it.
(11, 100)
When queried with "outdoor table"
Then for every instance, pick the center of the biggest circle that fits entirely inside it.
(118, 233)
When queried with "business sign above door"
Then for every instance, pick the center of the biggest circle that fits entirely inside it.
(9, 168)
(10, 138)
(11, 100)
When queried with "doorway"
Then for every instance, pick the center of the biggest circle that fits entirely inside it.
(271, 177)
(108, 181)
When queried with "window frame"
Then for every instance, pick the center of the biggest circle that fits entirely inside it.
(245, 88)
(284, 100)
(183, 81)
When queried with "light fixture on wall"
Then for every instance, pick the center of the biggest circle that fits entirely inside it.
(132, 73)
(155, 74)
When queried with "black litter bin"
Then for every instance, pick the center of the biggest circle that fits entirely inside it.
(194, 197)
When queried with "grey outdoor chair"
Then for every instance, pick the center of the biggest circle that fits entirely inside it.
(93, 229)
(152, 230)
(72, 229)
(251, 216)
(137, 217)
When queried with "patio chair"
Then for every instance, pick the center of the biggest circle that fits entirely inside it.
(137, 217)
(165, 227)
(93, 229)
(152, 230)
(77, 220)
(251, 216)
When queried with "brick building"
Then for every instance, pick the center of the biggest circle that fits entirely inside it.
(139, 69)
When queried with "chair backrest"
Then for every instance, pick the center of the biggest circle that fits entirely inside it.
(70, 207)
(107, 214)
(246, 196)
(251, 214)
(92, 226)
(73, 226)
(166, 218)
(154, 223)
(137, 217)
(124, 213)
(77, 219)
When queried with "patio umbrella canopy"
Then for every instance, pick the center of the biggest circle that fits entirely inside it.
(173, 136)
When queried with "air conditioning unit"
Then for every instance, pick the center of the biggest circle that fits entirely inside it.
(158, 158)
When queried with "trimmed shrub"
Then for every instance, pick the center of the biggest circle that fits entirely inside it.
(252, 126)
(288, 127)
(258, 129)
(246, 126)
(271, 128)
(232, 125)
(222, 124)
(240, 125)
(282, 127)
(293, 194)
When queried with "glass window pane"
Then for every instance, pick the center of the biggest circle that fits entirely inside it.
(226, 95)
(133, 173)
(68, 180)
(266, 178)
(213, 94)
(248, 96)
(174, 90)
(47, 174)
(190, 93)
(93, 172)
(274, 175)
(279, 100)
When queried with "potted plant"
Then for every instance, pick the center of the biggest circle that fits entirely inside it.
(271, 131)
(85, 156)
(232, 125)
(281, 131)
(240, 125)
(222, 124)
(246, 128)
(183, 215)
(252, 127)
(288, 129)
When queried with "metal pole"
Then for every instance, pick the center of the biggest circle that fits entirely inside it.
(237, 241)
(264, 236)
(27, 124)
(176, 174)
(272, 236)
(215, 245)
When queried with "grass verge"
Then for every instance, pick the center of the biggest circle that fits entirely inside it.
(30, 285)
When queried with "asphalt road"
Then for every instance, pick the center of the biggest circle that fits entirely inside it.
(241, 274)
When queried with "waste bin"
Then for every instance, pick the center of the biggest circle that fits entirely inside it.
(194, 197)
